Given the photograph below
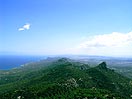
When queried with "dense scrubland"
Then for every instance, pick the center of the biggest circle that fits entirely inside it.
(63, 78)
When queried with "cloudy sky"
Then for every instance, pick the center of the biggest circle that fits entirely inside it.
(88, 27)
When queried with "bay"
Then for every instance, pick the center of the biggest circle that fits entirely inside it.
(13, 61)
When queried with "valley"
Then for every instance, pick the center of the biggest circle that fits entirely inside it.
(64, 78)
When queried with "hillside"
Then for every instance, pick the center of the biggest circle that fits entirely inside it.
(64, 79)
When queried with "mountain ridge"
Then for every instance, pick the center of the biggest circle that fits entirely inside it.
(65, 78)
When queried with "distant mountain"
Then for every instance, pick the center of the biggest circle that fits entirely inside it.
(63, 78)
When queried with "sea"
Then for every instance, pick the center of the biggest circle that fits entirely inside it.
(12, 61)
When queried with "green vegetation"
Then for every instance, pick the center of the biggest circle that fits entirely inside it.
(64, 79)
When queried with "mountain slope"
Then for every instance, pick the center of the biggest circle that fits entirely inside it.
(66, 79)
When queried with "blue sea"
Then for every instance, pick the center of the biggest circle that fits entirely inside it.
(13, 61)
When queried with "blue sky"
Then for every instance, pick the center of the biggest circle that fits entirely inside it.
(65, 27)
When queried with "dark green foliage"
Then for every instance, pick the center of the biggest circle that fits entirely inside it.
(102, 66)
(64, 79)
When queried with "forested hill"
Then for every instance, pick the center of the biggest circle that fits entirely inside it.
(64, 79)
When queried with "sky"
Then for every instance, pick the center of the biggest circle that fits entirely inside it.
(60, 27)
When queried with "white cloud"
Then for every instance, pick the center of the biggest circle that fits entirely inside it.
(114, 39)
(25, 27)
(21, 29)
(118, 44)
